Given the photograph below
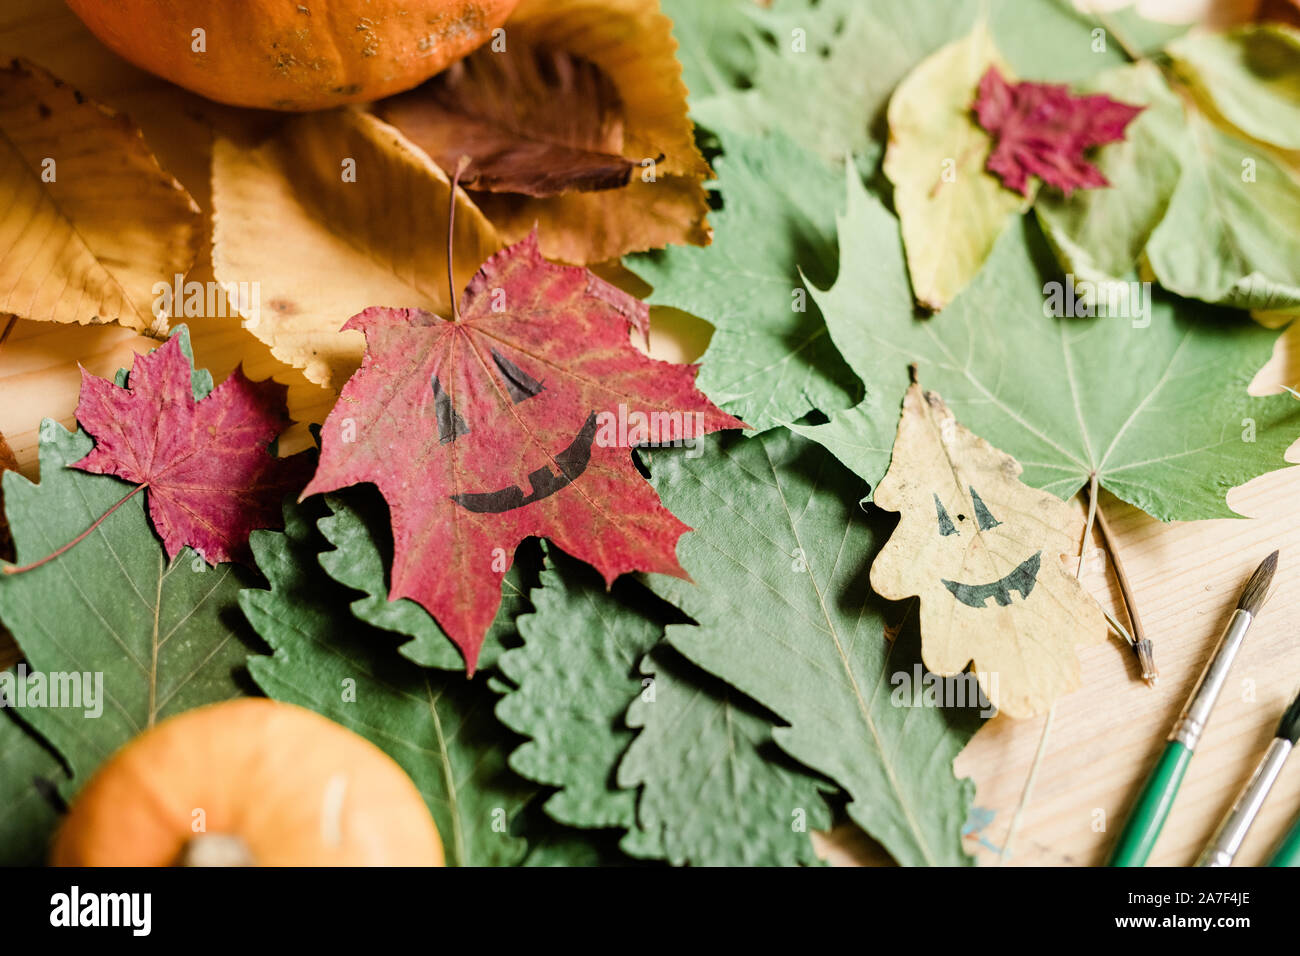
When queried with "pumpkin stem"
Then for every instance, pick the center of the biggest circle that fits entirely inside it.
(451, 234)
(215, 849)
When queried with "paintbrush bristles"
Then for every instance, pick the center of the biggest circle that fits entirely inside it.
(1289, 728)
(1256, 590)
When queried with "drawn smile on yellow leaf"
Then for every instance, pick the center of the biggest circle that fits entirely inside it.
(980, 549)
(1022, 578)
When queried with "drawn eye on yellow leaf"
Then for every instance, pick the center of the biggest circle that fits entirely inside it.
(982, 552)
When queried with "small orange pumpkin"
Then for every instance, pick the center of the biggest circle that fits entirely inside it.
(293, 54)
(251, 782)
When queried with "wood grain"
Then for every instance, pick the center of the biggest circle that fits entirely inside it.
(1186, 576)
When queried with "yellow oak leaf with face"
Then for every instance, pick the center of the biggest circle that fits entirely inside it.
(983, 553)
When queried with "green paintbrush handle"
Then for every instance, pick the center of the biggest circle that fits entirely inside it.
(1288, 851)
(1142, 828)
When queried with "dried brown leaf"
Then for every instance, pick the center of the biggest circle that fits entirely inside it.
(91, 221)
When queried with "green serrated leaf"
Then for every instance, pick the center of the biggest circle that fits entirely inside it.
(714, 43)
(437, 725)
(1155, 404)
(27, 817)
(572, 681)
(701, 784)
(360, 531)
(714, 788)
(165, 636)
(780, 557)
(770, 360)
(1099, 234)
(1250, 75)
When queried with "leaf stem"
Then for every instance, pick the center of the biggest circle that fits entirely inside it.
(1142, 646)
(11, 569)
(461, 166)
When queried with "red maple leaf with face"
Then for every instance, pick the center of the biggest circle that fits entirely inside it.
(205, 463)
(1041, 129)
(513, 419)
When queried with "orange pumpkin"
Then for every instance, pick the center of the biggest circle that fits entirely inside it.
(293, 54)
(249, 781)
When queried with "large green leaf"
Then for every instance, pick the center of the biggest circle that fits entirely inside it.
(361, 533)
(823, 70)
(715, 43)
(770, 359)
(951, 207)
(780, 557)
(572, 681)
(701, 782)
(811, 78)
(1099, 234)
(714, 788)
(1230, 233)
(1251, 76)
(436, 724)
(166, 636)
(29, 774)
(1156, 405)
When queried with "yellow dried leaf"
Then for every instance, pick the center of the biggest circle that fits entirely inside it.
(336, 212)
(982, 551)
(631, 42)
(90, 220)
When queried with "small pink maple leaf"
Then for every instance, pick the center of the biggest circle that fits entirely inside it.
(1041, 129)
(209, 475)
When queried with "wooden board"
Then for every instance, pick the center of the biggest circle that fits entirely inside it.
(1186, 576)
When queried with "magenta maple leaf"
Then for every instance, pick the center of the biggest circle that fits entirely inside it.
(206, 465)
(1041, 129)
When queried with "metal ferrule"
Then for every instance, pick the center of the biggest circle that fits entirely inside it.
(1191, 723)
(1232, 831)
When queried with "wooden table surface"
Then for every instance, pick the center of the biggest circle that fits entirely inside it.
(1104, 737)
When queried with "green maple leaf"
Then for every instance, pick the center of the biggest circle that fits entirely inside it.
(715, 43)
(809, 81)
(1099, 234)
(1156, 407)
(770, 359)
(166, 636)
(714, 788)
(780, 557)
(700, 783)
(28, 772)
(361, 534)
(437, 725)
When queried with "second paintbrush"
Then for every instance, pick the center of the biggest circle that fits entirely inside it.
(1148, 815)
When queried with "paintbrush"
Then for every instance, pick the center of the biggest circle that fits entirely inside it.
(1148, 815)
(1287, 852)
(1225, 843)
